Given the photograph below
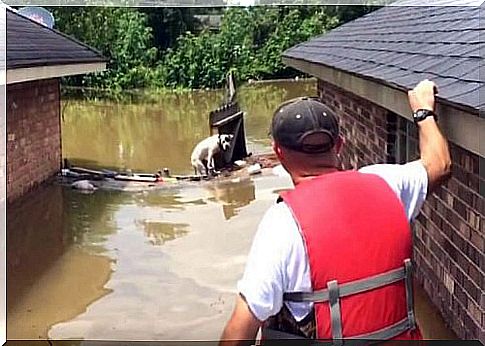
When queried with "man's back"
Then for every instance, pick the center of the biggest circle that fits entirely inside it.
(349, 236)
(308, 143)
(277, 261)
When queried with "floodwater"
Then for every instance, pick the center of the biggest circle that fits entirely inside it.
(161, 132)
(158, 265)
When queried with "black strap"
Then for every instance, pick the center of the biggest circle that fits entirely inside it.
(273, 334)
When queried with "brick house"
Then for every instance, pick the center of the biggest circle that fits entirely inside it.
(364, 69)
(36, 59)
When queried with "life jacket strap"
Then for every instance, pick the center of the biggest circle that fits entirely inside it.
(387, 332)
(409, 293)
(350, 288)
(334, 292)
(335, 313)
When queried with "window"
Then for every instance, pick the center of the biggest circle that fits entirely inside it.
(481, 175)
(404, 144)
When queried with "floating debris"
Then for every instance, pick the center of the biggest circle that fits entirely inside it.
(85, 185)
(88, 180)
(254, 169)
(240, 163)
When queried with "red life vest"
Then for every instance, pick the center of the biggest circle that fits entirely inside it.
(357, 240)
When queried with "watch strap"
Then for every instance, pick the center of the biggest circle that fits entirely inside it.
(421, 114)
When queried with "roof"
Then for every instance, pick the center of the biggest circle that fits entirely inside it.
(30, 44)
(399, 46)
(437, 3)
(212, 21)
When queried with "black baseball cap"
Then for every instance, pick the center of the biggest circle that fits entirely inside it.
(306, 125)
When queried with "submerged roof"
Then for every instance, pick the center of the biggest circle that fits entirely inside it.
(30, 44)
(399, 46)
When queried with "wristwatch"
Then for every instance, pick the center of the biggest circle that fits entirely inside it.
(422, 114)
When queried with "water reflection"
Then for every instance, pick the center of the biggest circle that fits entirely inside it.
(159, 232)
(35, 240)
(170, 198)
(233, 195)
(41, 259)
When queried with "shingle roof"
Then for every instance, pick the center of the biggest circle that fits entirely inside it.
(399, 46)
(30, 44)
(436, 3)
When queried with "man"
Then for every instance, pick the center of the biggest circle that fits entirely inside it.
(331, 260)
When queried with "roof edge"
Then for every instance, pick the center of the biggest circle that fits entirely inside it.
(25, 74)
(462, 125)
(459, 106)
(35, 63)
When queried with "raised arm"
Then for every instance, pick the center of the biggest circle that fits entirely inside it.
(433, 146)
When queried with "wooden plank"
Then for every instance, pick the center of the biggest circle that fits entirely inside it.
(145, 178)
(86, 170)
(228, 119)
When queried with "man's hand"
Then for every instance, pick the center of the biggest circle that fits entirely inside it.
(433, 147)
(242, 327)
(422, 96)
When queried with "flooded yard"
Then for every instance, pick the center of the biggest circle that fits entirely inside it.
(157, 265)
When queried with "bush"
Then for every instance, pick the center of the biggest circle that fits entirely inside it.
(249, 43)
(121, 35)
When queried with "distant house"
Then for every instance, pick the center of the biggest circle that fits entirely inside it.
(209, 21)
(364, 69)
(36, 59)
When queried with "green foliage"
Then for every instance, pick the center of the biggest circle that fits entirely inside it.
(348, 13)
(164, 48)
(169, 23)
(249, 43)
(293, 28)
(121, 35)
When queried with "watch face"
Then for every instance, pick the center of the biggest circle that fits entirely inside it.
(422, 114)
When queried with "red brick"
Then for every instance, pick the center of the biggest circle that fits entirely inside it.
(478, 240)
(35, 154)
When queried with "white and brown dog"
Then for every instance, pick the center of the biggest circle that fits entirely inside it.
(202, 157)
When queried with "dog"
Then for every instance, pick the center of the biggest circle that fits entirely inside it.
(202, 157)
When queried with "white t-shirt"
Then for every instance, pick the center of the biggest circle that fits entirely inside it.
(277, 261)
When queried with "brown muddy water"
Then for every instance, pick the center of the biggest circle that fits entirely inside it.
(158, 265)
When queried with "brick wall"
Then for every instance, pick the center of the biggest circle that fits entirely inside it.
(449, 249)
(363, 125)
(33, 135)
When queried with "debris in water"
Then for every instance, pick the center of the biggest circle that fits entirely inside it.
(83, 185)
(254, 169)
(240, 163)
(280, 171)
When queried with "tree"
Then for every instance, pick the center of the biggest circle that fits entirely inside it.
(169, 23)
(165, 48)
(249, 43)
(120, 34)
